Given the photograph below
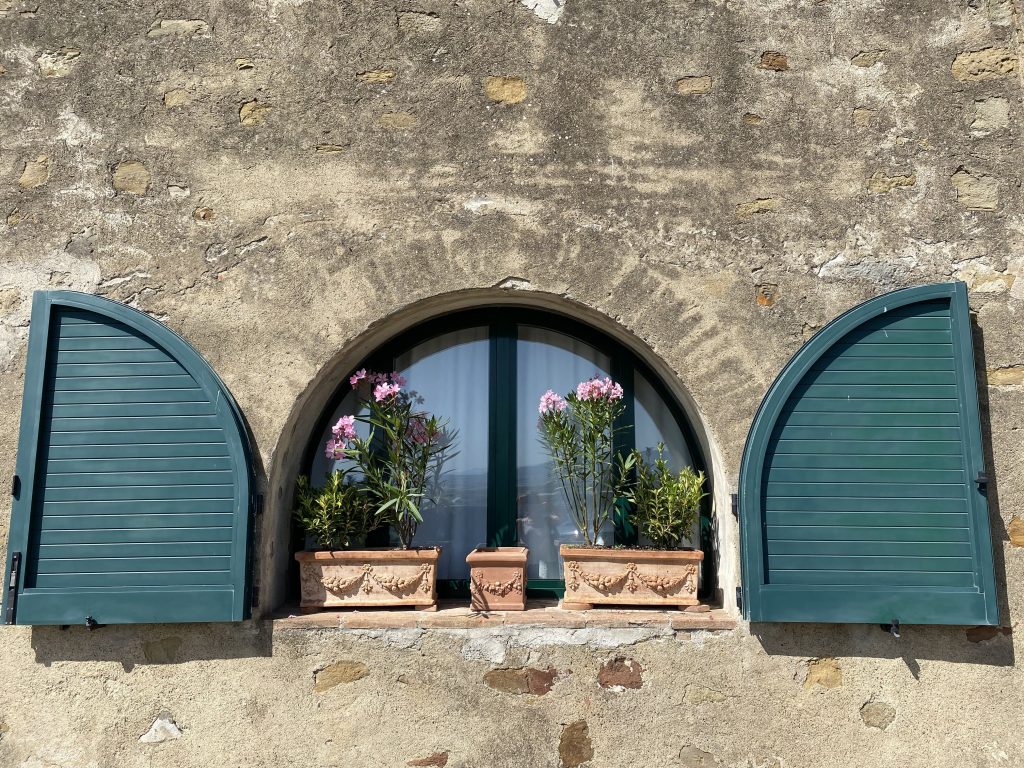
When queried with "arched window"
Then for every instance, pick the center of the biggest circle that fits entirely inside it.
(485, 370)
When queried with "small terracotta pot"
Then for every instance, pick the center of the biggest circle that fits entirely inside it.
(497, 578)
(364, 578)
(600, 576)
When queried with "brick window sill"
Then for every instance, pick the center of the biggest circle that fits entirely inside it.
(538, 613)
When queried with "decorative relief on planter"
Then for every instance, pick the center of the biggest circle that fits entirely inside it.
(497, 578)
(368, 578)
(596, 576)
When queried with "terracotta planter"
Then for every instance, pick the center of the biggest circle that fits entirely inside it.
(599, 576)
(365, 578)
(497, 578)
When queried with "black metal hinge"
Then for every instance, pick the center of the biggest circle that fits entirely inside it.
(982, 481)
(739, 598)
(735, 497)
(12, 588)
(16, 486)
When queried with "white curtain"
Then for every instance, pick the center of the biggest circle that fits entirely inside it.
(654, 423)
(547, 360)
(451, 374)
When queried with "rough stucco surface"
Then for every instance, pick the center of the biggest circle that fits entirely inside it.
(273, 179)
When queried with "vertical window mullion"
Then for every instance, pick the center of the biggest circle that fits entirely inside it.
(501, 465)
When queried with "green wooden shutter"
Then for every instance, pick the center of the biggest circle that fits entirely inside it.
(860, 498)
(133, 488)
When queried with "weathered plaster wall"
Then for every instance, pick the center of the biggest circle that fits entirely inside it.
(276, 178)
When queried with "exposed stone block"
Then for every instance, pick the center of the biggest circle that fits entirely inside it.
(974, 190)
(766, 294)
(880, 183)
(775, 61)
(761, 205)
(825, 672)
(990, 116)
(868, 58)
(253, 112)
(620, 673)
(376, 76)
(877, 714)
(505, 90)
(177, 28)
(864, 116)
(35, 173)
(574, 746)
(986, 64)
(131, 177)
(525, 680)
(58, 63)
(1016, 526)
(695, 85)
(338, 673)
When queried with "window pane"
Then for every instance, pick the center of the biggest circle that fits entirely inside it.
(546, 360)
(654, 423)
(450, 373)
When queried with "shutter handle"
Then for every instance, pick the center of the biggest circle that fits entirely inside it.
(893, 628)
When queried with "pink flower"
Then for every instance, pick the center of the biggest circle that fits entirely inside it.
(417, 430)
(356, 377)
(551, 402)
(345, 429)
(335, 450)
(384, 390)
(597, 389)
(397, 378)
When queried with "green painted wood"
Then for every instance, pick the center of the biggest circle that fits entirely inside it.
(136, 477)
(857, 493)
(840, 533)
(166, 534)
(839, 363)
(851, 475)
(139, 451)
(880, 405)
(85, 521)
(859, 549)
(118, 396)
(861, 419)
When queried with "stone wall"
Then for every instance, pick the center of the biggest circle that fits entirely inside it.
(285, 181)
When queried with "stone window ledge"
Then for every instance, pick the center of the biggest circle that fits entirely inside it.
(539, 613)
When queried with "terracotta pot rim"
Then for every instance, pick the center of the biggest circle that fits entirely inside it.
(574, 552)
(513, 556)
(377, 554)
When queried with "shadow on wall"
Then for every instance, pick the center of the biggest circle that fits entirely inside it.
(149, 644)
(991, 646)
(988, 646)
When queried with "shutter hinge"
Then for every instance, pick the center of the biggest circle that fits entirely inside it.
(739, 598)
(982, 481)
(735, 498)
(16, 486)
(12, 588)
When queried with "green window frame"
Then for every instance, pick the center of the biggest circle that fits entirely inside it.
(502, 324)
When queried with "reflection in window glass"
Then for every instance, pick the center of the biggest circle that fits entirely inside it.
(546, 360)
(450, 373)
(654, 423)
